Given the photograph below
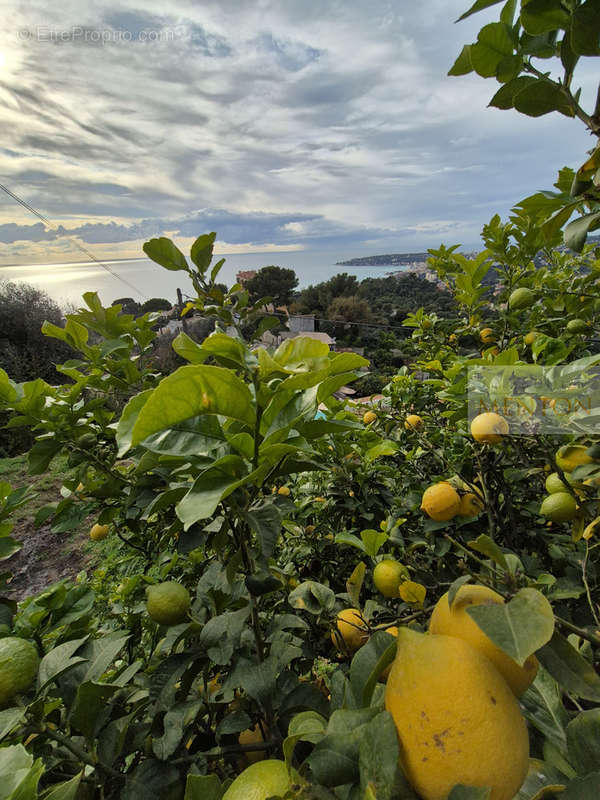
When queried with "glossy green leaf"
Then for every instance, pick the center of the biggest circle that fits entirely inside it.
(583, 741)
(129, 417)
(585, 30)
(488, 547)
(542, 97)
(203, 787)
(462, 65)
(165, 253)
(570, 669)
(479, 5)
(189, 392)
(187, 348)
(194, 437)
(587, 788)
(65, 791)
(505, 96)
(576, 231)
(202, 251)
(41, 454)
(540, 16)
(378, 757)
(493, 45)
(519, 627)
(210, 487)
(543, 707)
(368, 664)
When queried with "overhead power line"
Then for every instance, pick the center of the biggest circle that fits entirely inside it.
(77, 244)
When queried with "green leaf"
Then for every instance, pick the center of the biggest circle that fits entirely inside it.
(519, 627)
(462, 65)
(101, 654)
(385, 448)
(585, 29)
(576, 232)
(197, 436)
(583, 741)
(587, 788)
(175, 722)
(19, 773)
(493, 44)
(312, 597)
(484, 544)
(542, 97)
(128, 419)
(187, 348)
(203, 787)
(368, 664)
(189, 392)
(58, 660)
(41, 454)
(265, 521)
(165, 253)
(210, 487)
(225, 349)
(65, 791)
(152, 778)
(479, 5)
(355, 582)
(570, 669)
(505, 96)
(91, 707)
(541, 16)
(373, 540)
(543, 707)
(378, 757)
(220, 636)
(455, 586)
(9, 719)
(202, 251)
(8, 547)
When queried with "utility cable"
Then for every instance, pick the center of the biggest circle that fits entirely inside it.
(77, 244)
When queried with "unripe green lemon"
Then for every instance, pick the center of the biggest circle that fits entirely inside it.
(168, 603)
(521, 298)
(577, 326)
(554, 483)
(559, 507)
(388, 575)
(530, 337)
(19, 662)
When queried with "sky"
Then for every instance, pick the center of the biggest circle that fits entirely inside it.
(283, 125)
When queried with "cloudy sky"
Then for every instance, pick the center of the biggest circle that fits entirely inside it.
(322, 125)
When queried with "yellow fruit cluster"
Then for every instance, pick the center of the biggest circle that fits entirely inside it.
(442, 502)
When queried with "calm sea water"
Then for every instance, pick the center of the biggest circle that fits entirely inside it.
(67, 282)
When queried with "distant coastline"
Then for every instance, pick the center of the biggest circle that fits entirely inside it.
(387, 260)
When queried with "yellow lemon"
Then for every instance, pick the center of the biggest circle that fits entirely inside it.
(470, 505)
(559, 507)
(456, 621)
(441, 501)
(261, 780)
(388, 575)
(99, 532)
(452, 338)
(368, 417)
(487, 336)
(412, 422)
(489, 428)
(284, 491)
(351, 630)
(570, 456)
(253, 735)
(530, 337)
(168, 603)
(309, 529)
(456, 718)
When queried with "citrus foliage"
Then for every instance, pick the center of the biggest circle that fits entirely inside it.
(272, 564)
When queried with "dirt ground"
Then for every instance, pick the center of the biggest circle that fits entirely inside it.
(45, 557)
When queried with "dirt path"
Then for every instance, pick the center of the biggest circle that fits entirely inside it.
(45, 557)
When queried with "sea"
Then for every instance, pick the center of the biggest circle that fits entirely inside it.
(142, 279)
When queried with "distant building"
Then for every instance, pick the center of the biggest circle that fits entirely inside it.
(245, 275)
